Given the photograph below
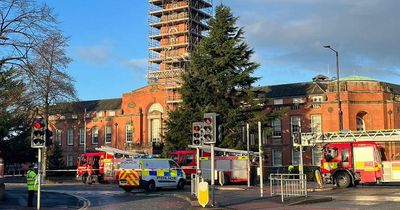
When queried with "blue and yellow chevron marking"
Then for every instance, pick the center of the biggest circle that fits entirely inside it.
(163, 172)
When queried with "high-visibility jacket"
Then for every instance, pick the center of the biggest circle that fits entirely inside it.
(31, 177)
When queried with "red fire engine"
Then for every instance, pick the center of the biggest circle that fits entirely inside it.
(350, 158)
(102, 166)
(233, 167)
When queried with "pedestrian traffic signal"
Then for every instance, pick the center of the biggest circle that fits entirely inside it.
(210, 128)
(296, 139)
(49, 137)
(38, 133)
(197, 131)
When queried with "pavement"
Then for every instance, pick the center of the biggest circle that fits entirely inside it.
(243, 197)
(226, 197)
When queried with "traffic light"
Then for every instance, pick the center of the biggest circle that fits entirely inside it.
(38, 133)
(197, 131)
(296, 138)
(210, 128)
(49, 137)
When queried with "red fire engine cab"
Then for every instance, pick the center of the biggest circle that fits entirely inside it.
(350, 158)
(91, 166)
(101, 166)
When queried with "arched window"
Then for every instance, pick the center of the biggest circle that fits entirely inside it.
(155, 122)
(360, 120)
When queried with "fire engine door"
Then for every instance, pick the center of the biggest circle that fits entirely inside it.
(365, 163)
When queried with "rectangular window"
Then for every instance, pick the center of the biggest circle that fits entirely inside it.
(316, 156)
(81, 135)
(276, 157)
(316, 125)
(345, 155)
(155, 130)
(107, 135)
(70, 136)
(317, 102)
(58, 137)
(277, 128)
(295, 107)
(295, 157)
(111, 113)
(95, 135)
(278, 101)
(295, 124)
(298, 100)
(99, 114)
(70, 160)
(128, 133)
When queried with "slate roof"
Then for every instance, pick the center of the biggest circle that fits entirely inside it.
(293, 89)
(104, 104)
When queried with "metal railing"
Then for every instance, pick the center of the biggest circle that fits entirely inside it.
(288, 185)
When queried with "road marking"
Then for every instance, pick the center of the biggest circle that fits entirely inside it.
(86, 202)
(367, 198)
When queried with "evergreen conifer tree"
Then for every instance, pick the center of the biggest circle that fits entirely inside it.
(219, 80)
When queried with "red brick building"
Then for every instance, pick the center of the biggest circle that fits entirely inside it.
(312, 107)
(135, 121)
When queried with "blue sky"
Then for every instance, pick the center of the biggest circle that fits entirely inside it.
(108, 40)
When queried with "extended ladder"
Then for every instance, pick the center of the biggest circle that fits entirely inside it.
(113, 151)
(310, 139)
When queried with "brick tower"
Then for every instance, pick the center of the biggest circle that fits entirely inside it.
(176, 26)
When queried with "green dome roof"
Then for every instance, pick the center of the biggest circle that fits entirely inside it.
(356, 78)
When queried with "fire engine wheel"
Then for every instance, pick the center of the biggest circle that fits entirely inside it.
(84, 178)
(343, 180)
(181, 184)
(151, 186)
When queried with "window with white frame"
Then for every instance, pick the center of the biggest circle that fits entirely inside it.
(316, 156)
(276, 157)
(70, 136)
(317, 102)
(276, 127)
(107, 135)
(295, 124)
(70, 160)
(278, 101)
(295, 157)
(128, 133)
(81, 135)
(58, 137)
(111, 113)
(316, 124)
(99, 114)
(95, 135)
(155, 130)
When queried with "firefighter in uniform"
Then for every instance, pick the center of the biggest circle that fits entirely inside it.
(31, 184)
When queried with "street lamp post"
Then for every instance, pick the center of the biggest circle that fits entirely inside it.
(337, 88)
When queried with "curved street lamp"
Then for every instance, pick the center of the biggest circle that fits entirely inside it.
(337, 88)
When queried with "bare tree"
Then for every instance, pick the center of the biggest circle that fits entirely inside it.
(23, 25)
(50, 83)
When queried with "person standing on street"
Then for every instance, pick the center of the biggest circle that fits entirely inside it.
(31, 177)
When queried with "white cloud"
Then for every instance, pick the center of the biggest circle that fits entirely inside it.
(94, 54)
(137, 63)
(290, 34)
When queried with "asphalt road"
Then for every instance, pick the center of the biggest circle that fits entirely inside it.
(109, 196)
(97, 196)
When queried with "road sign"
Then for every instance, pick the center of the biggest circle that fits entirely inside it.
(202, 193)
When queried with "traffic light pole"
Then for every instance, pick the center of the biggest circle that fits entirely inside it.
(260, 150)
(212, 175)
(39, 178)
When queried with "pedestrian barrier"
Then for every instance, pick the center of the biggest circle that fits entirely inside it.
(288, 185)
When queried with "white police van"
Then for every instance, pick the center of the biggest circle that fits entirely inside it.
(150, 174)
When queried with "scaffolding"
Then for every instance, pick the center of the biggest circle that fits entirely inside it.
(175, 27)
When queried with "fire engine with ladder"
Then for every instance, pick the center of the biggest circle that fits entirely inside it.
(353, 157)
